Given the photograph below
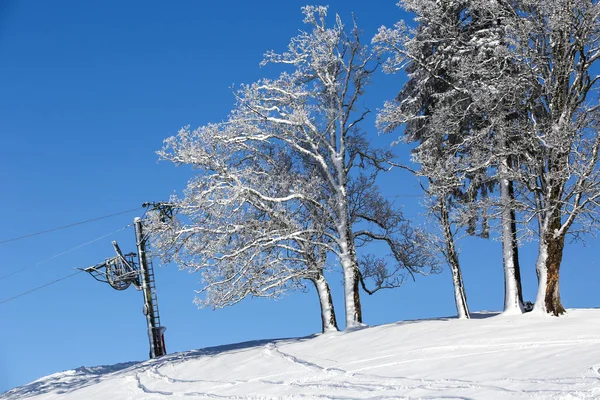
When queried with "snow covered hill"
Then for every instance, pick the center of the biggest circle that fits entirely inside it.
(489, 357)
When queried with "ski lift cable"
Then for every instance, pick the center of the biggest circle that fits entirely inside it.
(39, 287)
(63, 253)
(67, 226)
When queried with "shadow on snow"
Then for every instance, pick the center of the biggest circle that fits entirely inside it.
(71, 380)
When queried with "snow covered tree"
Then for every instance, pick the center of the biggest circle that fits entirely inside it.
(518, 76)
(241, 223)
(489, 73)
(428, 106)
(288, 179)
(558, 42)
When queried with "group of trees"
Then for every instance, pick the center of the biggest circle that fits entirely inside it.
(502, 94)
(497, 98)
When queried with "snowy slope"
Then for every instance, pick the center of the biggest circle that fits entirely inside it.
(488, 357)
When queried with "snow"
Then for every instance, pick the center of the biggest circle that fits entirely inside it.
(490, 356)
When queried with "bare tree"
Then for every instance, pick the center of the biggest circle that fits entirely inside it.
(284, 180)
(242, 224)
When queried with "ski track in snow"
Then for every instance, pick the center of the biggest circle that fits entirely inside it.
(272, 348)
(332, 380)
(354, 381)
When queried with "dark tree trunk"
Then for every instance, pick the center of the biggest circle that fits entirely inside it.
(555, 247)
(548, 267)
(357, 305)
(515, 246)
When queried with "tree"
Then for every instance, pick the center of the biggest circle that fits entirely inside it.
(320, 200)
(428, 106)
(462, 104)
(489, 73)
(519, 73)
(241, 223)
(558, 42)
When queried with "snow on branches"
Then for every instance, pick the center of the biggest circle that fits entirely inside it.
(501, 94)
(288, 180)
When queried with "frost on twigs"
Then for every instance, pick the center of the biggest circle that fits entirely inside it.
(500, 96)
(286, 184)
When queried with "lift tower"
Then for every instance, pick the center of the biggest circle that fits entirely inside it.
(155, 330)
(122, 271)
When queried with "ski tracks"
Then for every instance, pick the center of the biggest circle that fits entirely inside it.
(316, 381)
(350, 380)
(273, 350)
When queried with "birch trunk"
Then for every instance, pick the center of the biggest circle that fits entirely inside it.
(460, 297)
(328, 321)
(513, 295)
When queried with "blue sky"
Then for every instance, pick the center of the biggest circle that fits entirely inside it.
(88, 92)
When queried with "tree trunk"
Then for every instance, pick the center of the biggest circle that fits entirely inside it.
(352, 294)
(548, 268)
(356, 294)
(460, 297)
(349, 261)
(351, 282)
(513, 295)
(328, 321)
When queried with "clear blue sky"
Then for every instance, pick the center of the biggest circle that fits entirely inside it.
(88, 91)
